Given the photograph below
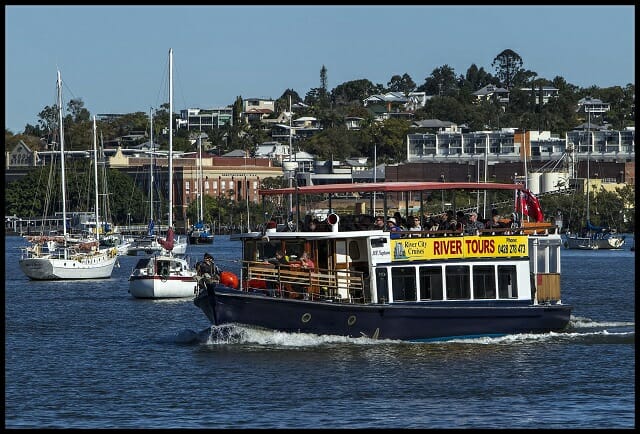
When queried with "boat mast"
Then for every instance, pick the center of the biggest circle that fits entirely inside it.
(151, 166)
(62, 177)
(289, 173)
(486, 167)
(170, 223)
(200, 199)
(588, 158)
(95, 173)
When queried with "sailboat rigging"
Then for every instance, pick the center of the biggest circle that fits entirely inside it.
(200, 232)
(165, 275)
(46, 259)
(592, 237)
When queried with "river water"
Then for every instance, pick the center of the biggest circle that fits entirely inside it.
(87, 355)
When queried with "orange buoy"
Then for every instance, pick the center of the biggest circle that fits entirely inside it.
(227, 278)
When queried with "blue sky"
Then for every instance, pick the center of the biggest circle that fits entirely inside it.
(115, 58)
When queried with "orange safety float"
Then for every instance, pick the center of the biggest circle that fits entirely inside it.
(227, 278)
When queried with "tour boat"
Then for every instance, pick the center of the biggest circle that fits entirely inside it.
(407, 285)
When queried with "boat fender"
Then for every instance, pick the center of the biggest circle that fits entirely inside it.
(228, 278)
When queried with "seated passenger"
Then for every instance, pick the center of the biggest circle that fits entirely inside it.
(473, 226)
(393, 228)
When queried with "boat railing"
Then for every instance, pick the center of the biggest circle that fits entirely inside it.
(292, 281)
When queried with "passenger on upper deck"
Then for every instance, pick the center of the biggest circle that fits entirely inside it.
(401, 222)
(414, 225)
(462, 220)
(378, 223)
(279, 259)
(494, 222)
(393, 228)
(306, 262)
(473, 226)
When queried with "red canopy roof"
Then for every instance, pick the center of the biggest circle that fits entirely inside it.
(391, 186)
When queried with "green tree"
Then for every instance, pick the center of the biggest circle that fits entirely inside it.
(441, 82)
(323, 93)
(282, 103)
(507, 64)
(402, 84)
(354, 91)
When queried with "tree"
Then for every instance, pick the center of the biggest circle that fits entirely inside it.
(402, 84)
(354, 91)
(76, 109)
(323, 94)
(441, 82)
(282, 103)
(332, 143)
(238, 106)
(507, 64)
(48, 119)
(477, 78)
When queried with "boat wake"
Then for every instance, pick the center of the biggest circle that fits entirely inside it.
(241, 334)
(578, 329)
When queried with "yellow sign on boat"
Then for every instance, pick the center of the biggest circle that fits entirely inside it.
(414, 249)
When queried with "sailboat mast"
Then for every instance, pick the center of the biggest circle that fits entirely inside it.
(62, 176)
(170, 223)
(588, 158)
(95, 174)
(151, 166)
(200, 192)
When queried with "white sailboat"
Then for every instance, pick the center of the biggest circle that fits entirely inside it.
(61, 259)
(164, 275)
(200, 232)
(593, 237)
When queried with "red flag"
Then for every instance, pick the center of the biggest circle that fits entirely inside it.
(529, 205)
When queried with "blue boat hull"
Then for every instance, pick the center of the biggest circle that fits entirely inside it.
(406, 321)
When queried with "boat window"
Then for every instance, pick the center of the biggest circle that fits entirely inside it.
(507, 282)
(354, 250)
(382, 285)
(294, 249)
(163, 267)
(403, 282)
(142, 263)
(458, 282)
(554, 253)
(251, 252)
(268, 250)
(484, 281)
(430, 283)
(541, 258)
